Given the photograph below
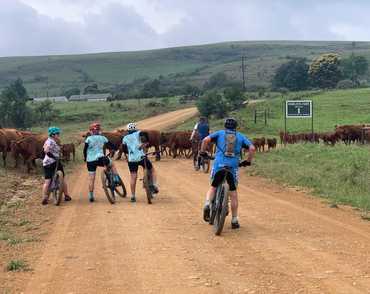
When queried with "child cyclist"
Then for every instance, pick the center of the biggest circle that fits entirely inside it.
(52, 154)
(94, 156)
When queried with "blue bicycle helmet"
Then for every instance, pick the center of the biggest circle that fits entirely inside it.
(53, 131)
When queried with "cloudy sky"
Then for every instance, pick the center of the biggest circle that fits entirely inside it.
(37, 27)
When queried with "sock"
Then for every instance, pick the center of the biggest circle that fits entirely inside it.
(234, 219)
(91, 195)
(207, 203)
(133, 196)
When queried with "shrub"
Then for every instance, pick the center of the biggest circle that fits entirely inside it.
(345, 84)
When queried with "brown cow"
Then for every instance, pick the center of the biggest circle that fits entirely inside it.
(30, 148)
(67, 149)
(180, 143)
(7, 136)
(259, 143)
(271, 143)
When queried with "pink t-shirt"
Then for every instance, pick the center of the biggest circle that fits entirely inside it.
(50, 146)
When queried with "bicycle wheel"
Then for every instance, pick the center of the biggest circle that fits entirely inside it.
(213, 207)
(195, 162)
(205, 165)
(108, 187)
(222, 203)
(121, 189)
(147, 183)
(57, 191)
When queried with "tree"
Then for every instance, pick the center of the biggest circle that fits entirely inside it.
(292, 75)
(45, 112)
(234, 96)
(13, 105)
(212, 103)
(324, 71)
(91, 89)
(354, 67)
(217, 80)
(73, 91)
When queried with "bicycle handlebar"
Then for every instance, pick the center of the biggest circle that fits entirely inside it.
(243, 163)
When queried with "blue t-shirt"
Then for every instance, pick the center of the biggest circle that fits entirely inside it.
(133, 142)
(203, 130)
(96, 145)
(221, 160)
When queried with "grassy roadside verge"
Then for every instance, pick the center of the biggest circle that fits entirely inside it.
(340, 174)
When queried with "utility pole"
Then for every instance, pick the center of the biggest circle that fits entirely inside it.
(243, 72)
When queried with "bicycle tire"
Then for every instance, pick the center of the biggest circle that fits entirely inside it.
(146, 184)
(108, 190)
(121, 189)
(195, 162)
(221, 212)
(213, 208)
(205, 165)
(58, 191)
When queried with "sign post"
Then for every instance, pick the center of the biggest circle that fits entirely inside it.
(299, 109)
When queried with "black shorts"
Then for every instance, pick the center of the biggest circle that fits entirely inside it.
(219, 176)
(102, 161)
(134, 166)
(49, 170)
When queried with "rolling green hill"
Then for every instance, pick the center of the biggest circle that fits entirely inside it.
(192, 65)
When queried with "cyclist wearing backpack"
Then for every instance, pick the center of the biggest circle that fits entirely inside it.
(229, 145)
(51, 150)
(135, 141)
(94, 156)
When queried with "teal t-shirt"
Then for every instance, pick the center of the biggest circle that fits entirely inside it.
(96, 145)
(133, 143)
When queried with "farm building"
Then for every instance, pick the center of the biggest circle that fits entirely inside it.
(52, 99)
(91, 97)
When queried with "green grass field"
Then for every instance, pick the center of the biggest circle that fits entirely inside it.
(193, 64)
(341, 173)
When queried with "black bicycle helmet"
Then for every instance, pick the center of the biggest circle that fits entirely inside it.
(231, 123)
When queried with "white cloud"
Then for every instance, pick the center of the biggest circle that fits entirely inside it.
(80, 26)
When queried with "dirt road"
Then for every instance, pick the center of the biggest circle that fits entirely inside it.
(288, 243)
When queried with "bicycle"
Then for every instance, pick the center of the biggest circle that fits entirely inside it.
(111, 187)
(148, 179)
(56, 185)
(200, 162)
(219, 206)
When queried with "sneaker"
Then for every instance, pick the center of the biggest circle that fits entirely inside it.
(91, 197)
(133, 199)
(235, 225)
(206, 213)
(67, 198)
(45, 201)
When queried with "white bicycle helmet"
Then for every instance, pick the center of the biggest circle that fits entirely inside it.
(131, 127)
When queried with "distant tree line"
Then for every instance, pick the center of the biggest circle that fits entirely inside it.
(16, 112)
(325, 72)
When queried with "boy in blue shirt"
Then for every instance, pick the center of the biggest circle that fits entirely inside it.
(229, 145)
(94, 156)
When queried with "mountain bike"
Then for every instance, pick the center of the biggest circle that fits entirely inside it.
(219, 206)
(111, 187)
(56, 185)
(148, 179)
(200, 162)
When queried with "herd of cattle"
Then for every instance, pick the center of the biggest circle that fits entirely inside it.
(346, 133)
(29, 146)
